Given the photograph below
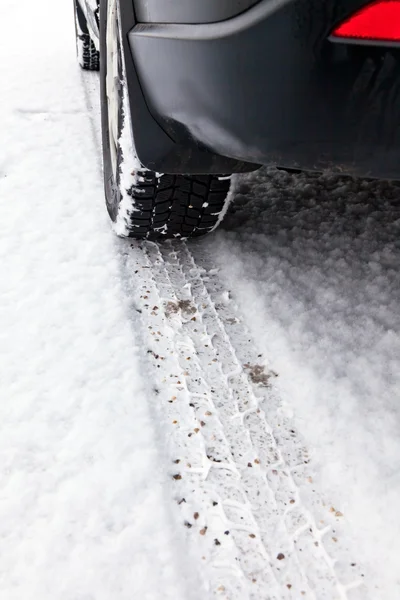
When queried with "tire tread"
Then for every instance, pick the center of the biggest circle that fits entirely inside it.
(177, 206)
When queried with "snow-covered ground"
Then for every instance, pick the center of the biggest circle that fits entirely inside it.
(187, 421)
(84, 510)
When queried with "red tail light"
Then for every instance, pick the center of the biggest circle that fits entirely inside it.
(377, 22)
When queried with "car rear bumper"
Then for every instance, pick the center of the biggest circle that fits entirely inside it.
(268, 87)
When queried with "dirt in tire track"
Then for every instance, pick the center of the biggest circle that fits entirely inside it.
(240, 471)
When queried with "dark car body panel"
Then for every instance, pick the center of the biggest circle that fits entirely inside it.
(189, 11)
(266, 86)
(269, 87)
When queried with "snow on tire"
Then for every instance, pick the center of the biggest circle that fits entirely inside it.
(238, 467)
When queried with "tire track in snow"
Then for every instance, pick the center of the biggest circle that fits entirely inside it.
(322, 525)
(240, 471)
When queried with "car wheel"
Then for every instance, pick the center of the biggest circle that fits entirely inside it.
(88, 56)
(142, 203)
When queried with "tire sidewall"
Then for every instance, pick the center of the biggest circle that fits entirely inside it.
(111, 183)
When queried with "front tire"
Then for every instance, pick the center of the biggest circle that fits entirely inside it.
(141, 203)
(88, 56)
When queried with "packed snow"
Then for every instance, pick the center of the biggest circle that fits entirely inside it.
(187, 421)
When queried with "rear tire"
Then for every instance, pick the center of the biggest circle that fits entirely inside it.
(88, 56)
(141, 203)
(175, 206)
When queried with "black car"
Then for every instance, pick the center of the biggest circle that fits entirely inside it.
(195, 90)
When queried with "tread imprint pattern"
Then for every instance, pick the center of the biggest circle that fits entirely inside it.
(239, 469)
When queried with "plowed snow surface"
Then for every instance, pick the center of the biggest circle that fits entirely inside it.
(216, 419)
